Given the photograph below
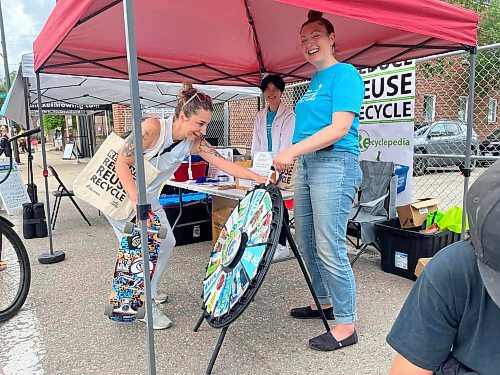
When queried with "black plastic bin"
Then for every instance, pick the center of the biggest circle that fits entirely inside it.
(402, 248)
(195, 224)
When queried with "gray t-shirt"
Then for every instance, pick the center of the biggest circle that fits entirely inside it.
(449, 311)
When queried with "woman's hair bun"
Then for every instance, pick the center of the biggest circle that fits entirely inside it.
(188, 89)
(314, 15)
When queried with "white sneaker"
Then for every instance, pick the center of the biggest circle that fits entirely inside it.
(160, 320)
(282, 251)
(161, 297)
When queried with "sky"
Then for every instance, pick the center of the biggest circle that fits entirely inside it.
(23, 20)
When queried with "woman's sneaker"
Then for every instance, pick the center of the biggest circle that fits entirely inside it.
(281, 252)
(160, 320)
(161, 297)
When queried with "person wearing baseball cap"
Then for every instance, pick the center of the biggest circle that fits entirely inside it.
(450, 322)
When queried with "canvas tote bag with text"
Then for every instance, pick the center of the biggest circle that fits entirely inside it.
(98, 183)
(288, 177)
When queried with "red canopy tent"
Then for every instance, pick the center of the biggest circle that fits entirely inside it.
(228, 42)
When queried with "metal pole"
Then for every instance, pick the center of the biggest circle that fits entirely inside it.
(143, 207)
(7, 82)
(52, 256)
(106, 122)
(226, 124)
(470, 117)
(28, 139)
(77, 140)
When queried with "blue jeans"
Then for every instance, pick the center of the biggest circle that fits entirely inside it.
(326, 184)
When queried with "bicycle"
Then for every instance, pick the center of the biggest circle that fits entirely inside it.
(15, 270)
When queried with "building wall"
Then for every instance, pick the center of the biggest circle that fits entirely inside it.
(121, 118)
(448, 80)
(241, 119)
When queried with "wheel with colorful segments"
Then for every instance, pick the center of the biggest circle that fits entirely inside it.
(242, 255)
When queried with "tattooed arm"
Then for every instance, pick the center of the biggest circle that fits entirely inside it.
(210, 154)
(126, 157)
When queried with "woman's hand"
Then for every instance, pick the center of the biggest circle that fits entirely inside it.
(259, 179)
(284, 160)
(151, 215)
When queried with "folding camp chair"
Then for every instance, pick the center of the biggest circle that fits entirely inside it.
(376, 202)
(61, 192)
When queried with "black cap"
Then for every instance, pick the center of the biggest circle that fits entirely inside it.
(483, 209)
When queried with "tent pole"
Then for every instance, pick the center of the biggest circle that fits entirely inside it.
(142, 207)
(468, 142)
(52, 256)
(28, 140)
(226, 124)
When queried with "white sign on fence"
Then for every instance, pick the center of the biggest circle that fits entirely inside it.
(387, 120)
(12, 191)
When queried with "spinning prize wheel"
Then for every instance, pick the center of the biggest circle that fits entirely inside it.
(242, 255)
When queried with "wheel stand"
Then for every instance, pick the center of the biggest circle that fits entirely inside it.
(296, 253)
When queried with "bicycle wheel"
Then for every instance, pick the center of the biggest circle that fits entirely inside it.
(15, 272)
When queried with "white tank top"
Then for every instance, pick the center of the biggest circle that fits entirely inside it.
(167, 163)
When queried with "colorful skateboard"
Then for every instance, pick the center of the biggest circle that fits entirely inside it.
(126, 300)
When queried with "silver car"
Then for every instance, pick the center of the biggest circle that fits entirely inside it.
(444, 137)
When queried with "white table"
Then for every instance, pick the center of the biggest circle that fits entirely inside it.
(218, 189)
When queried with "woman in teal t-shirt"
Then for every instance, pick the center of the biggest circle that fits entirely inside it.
(326, 141)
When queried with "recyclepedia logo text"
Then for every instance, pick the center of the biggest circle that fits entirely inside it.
(365, 142)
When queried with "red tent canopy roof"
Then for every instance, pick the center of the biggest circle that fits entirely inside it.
(229, 42)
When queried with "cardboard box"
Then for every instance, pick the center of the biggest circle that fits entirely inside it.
(244, 163)
(415, 214)
(240, 182)
(420, 265)
(221, 209)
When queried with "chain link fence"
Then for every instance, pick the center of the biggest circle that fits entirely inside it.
(441, 104)
(442, 85)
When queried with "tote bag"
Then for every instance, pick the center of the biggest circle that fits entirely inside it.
(288, 177)
(98, 183)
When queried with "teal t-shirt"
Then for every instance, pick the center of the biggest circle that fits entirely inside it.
(270, 118)
(337, 88)
(449, 311)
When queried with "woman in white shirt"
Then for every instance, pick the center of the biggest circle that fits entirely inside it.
(274, 125)
(181, 134)
(273, 131)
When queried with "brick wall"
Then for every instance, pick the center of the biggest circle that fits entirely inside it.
(121, 118)
(241, 119)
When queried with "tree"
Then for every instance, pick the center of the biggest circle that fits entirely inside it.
(51, 122)
(3, 86)
(489, 16)
(487, 61)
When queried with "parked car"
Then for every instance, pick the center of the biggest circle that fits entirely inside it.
(490, 146)
(445, 137)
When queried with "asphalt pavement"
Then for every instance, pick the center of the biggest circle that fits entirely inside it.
(62, 328)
